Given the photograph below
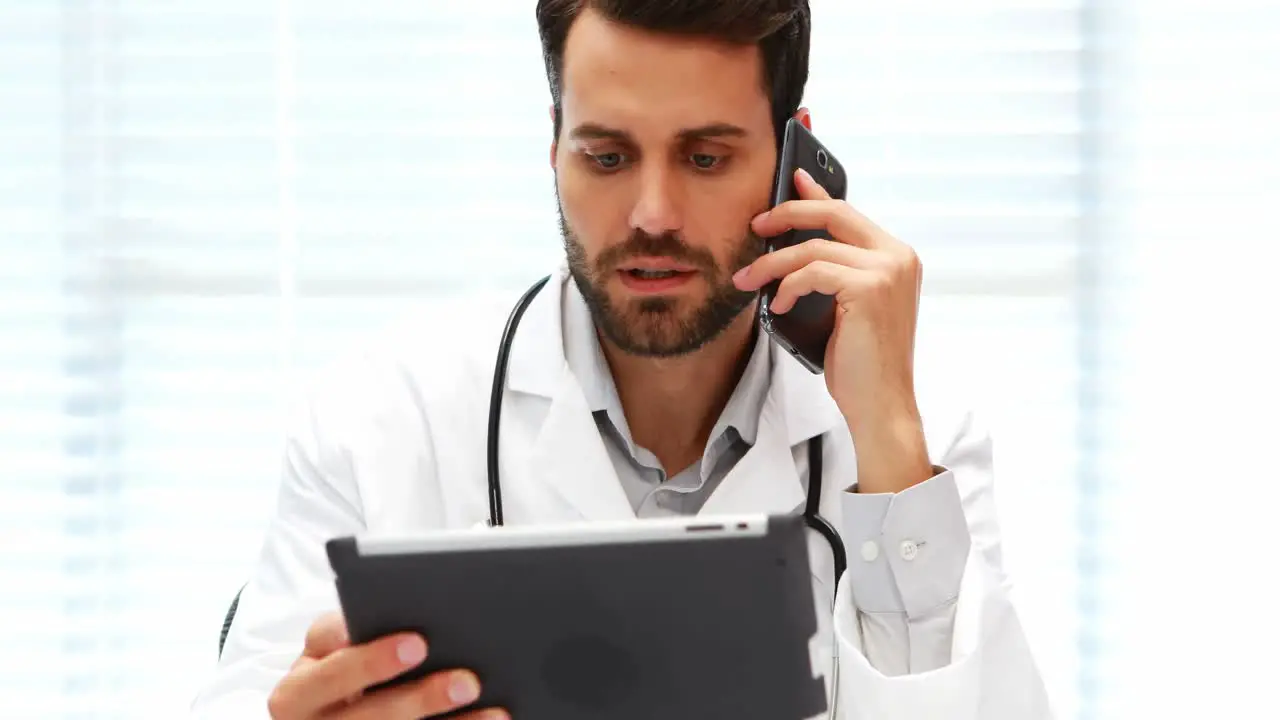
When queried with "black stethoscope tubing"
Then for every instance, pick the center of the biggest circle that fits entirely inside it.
(813, 495)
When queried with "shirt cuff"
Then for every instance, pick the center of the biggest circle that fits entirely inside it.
(907, 551)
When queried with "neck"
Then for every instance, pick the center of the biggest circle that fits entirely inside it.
(672, 404)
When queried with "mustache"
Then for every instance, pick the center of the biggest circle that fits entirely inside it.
(642, 244)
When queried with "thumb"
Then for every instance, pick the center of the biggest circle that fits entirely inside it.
(327, 635)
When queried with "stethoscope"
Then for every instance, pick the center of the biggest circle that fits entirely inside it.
(812, 497)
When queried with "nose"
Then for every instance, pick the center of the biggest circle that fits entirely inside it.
(658, 208)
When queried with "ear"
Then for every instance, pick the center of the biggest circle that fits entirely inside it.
(805, 118)
(551, 113)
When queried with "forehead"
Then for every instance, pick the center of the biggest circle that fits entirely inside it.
(625, 77)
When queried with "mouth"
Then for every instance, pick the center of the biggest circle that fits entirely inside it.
(640, 274)
(653, 275)
(656, 265)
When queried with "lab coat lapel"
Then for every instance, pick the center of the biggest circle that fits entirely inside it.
(765, 479)
(797, 407)
(568, 454)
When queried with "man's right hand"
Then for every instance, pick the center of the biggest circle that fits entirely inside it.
(330, 679)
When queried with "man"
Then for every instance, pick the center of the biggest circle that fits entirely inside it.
(640, 386)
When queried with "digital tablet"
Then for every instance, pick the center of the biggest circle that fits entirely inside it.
(702, 618)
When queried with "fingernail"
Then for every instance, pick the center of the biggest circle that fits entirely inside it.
(804, 173)
(741, 274)
(463, 689)
(411, 651)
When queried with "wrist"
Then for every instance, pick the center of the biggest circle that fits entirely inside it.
(892, 454)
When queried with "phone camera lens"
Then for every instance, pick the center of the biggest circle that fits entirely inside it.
(822, 159)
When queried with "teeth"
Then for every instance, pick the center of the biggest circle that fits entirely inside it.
(653, 274)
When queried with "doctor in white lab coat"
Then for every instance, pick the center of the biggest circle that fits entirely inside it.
(639, 386)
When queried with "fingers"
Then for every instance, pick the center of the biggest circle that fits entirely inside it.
(808, 188)
(433, 695)
(781, 263)
(327, 635)
(486, 714)
(344, 674)
(821, 276)
(815, 210)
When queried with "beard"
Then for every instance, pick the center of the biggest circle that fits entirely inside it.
(660, 326)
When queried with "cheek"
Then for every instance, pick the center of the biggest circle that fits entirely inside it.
(748, 193)
(729, 213)
(596, 211)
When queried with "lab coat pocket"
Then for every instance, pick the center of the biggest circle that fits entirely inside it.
(952, 692)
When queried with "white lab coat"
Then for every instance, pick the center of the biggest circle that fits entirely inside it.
(394, 441)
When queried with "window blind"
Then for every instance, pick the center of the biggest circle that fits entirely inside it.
(201, 201)
(1184, 489)
(964, 129)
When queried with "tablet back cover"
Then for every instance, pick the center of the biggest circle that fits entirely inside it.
(709, 628)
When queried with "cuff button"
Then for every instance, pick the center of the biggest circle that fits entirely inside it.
(870, 551)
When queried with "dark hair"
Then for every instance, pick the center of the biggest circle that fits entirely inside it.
(780, 28)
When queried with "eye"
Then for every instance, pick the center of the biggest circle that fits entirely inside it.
(704, 161)
(608, 161)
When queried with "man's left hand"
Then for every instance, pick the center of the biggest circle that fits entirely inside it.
(875, 280)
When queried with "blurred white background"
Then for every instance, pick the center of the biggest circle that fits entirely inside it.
(200, 200)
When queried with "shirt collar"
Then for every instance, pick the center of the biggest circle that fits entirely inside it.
(587, 362)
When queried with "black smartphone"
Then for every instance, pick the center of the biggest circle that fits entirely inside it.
(805, 329)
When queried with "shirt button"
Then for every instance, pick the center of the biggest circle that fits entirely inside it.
(870, 551)
(909, 550)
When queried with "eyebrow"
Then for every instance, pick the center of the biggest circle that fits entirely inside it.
(594, 131)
